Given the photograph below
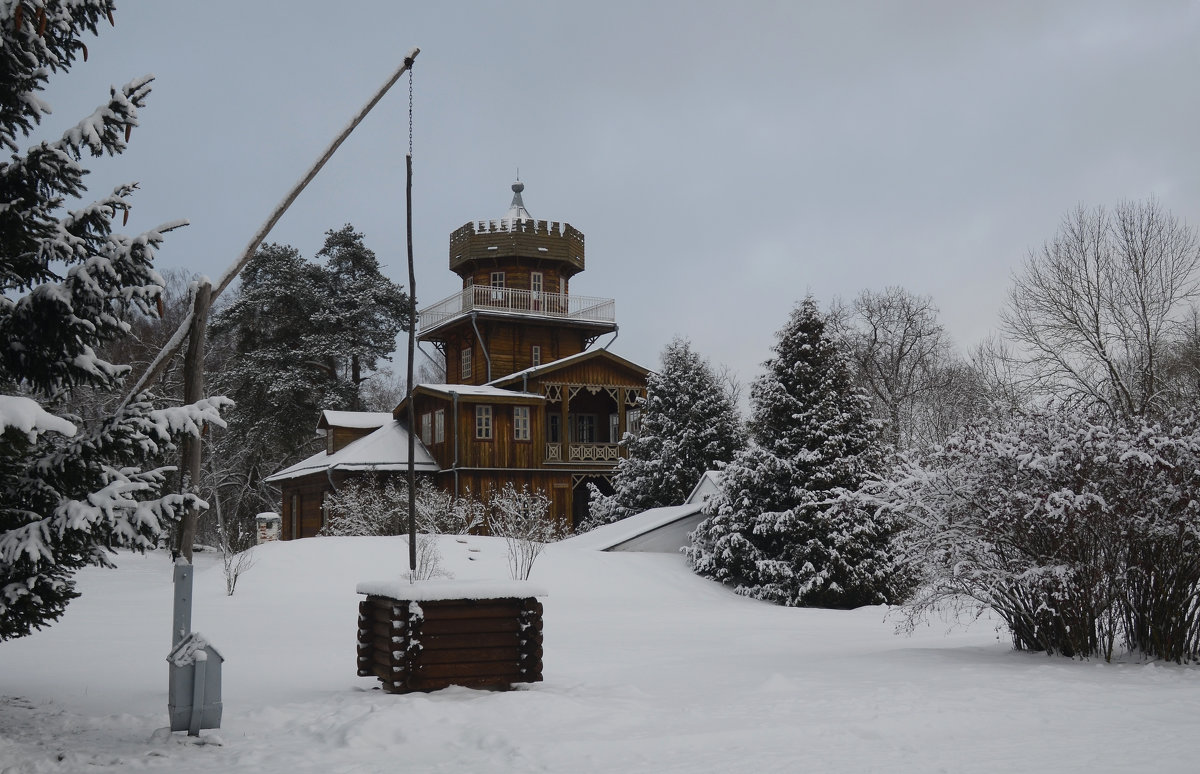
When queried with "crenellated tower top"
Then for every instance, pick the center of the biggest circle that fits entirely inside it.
(517, 235)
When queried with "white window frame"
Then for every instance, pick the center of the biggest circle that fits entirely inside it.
(466, 364)
(614, 428)
(521, 423)
(497, 285)
(426, 428)
(439, 426)
(483, 423)
(535, 355)
(633, 421)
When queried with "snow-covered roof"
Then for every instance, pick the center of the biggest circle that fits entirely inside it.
(355, 419)
(563, 361)
(480, 391)
(384, 449)
(708, 484)
(604, 538)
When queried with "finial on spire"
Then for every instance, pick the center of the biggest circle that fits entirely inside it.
(516, 210)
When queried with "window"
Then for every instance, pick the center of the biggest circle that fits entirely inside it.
(535, 355)
(633, 421)
(535, 290)
(439, 426)
(483, 422)
(553, 431)
(583, 428)
(497, 279)
(614, 428)
(426, 428)
(521, 423)
(466, 364)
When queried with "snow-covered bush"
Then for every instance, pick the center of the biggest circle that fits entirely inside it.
(72, 488)
(521, 517)
(370, 506)
(1082, 534)
(689, 424)
(365, 507)
(786, 525)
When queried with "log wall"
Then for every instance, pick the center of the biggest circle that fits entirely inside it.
(425, 646)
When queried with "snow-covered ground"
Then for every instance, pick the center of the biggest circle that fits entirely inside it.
(647, 669)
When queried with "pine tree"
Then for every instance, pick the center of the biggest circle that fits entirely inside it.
(363, 311)
(689, 425)
(279, 369)
(71, 488)
(785, 527)
(300, 337)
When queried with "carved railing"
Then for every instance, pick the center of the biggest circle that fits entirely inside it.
(484, 298)
(584, 452)
(593, 452)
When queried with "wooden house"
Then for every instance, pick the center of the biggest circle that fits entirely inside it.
(527, 400)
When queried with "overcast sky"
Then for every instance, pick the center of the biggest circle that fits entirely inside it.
(723, 159)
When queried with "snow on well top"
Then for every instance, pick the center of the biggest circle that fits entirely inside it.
(430, 591)
(27, 416)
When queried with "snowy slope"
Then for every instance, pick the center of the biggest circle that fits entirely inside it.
(648, 669)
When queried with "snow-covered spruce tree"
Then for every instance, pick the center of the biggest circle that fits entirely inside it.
(785, 525)
(72, 488)
(689, 424)
(362, 311)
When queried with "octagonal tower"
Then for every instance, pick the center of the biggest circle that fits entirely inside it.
(515, 310)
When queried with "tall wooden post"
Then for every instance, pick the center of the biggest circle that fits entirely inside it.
(193, 390)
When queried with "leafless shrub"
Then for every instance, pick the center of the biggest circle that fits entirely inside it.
(521, 518)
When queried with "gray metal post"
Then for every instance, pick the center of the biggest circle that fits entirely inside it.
(198, 693)
(181, 621)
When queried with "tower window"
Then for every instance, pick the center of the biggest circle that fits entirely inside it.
(426, 428)
(497, 279)
(439, 426)
(466, 364)
(483, 422)
(535, 355)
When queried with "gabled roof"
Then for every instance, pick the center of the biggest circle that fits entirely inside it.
(563, 362)
(710, 481)
(605, 537)
(384, 449)
(359, 420)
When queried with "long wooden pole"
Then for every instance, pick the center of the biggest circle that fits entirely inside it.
(173, 346)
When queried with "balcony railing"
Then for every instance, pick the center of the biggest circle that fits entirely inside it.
(584, 452)
(484, 298)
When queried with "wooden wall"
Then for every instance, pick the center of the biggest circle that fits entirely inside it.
(509, 346)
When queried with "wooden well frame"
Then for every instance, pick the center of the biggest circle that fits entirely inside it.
(427, 645)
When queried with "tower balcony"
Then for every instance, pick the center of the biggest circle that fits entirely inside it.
(517, 303)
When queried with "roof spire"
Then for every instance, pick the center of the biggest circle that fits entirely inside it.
(516, 210)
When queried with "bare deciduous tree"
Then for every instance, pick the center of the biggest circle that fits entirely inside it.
(1100, 305)
(895, 345)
